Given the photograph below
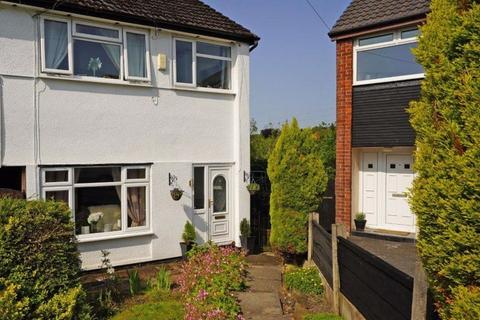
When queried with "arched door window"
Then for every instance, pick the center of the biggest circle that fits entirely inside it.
(219, 194)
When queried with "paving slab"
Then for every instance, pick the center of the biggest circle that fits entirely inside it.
(261, 300)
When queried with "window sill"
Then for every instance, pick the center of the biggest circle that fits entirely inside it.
(206, 90)
(387, 80)
(114, 237)
(96, 80)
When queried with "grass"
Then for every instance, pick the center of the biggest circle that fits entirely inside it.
(322, 316)
(154, 305)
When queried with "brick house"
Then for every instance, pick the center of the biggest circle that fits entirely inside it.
(377, 77)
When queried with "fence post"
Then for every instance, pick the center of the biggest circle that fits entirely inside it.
(420, 291)
(310, 236)
(336, 271)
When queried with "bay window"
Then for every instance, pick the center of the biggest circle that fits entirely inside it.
(202, 64)
(386, 57)
(93, 51)
(105, 200)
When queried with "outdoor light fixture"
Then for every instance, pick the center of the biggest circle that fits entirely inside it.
(246, 176)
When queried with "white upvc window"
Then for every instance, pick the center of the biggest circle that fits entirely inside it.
(386, 57)
(106, 201)
(94, 51)
(202, 64)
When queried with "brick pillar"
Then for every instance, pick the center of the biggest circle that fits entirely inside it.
(343, 181)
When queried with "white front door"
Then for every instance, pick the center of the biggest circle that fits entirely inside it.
(399, 178)
(220, 204)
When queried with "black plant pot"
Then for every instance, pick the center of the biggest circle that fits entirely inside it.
(251, 244)
(243, 242)
(185, 247)
(360, 225)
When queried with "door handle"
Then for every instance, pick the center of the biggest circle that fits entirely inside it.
(399, 195)
(210, 202)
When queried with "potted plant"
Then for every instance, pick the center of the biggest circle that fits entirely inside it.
(188, 237)
(360, 221)
(246, 240)
(253, 188)
(176, 193)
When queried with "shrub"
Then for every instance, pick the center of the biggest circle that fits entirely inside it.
(188, 235)
(322, 316)
(245, 228)
(298, 179)
(39, 262)
(446, 191)
(304, 280)
(207, 281)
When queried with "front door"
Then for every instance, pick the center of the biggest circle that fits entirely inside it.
(219, 205)
(399, 178)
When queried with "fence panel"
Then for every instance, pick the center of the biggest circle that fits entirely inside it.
(376, 288)
(322, 251)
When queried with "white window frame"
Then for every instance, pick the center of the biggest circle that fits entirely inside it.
(73, 35)
(64, 183)
(397, 40)
(194, 63)
(92, 36)
(147, 54)
(69, 46)
(124, 183)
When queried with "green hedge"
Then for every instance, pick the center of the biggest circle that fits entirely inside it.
(446, 191)
(298, 179)
(39, 262)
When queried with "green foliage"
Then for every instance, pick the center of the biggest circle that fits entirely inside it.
(325, 146)
(134, 282)
(298, 179)
(360, 216)
(465, 304)
(322, 316)
(170, 309)
(304, 280)
(39, 262)
(446, 191)
(253, 187)
(188, 235)
(163, 281)
(245, 228)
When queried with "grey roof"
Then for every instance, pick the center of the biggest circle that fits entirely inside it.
(364, 14)
(183, 15)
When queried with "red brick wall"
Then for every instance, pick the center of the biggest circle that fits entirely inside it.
(343, 181)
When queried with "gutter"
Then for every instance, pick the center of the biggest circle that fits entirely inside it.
(253, 46)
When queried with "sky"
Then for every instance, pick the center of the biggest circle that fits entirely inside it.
(292, 71)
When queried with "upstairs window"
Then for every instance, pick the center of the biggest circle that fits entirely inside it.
(202, 64)
(94, 51)
(387, 57)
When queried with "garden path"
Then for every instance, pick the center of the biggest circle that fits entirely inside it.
(262, 300)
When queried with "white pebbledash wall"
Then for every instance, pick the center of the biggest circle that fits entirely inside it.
(64, 122)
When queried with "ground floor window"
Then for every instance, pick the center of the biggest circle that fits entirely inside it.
(104, 200)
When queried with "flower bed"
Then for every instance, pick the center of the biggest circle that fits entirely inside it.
(208, 281)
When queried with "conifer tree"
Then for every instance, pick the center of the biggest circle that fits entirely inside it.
(446, 191)
(298, 179)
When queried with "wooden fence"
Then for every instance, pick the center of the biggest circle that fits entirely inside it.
(375, 288)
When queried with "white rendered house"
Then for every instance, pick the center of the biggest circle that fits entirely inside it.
(109, 105)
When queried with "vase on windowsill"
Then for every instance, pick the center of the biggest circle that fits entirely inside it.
(93, 227)
(85, 229)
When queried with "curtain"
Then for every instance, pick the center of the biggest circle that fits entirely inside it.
(136, 206)
(113, 53)
(56, 43)
(136, 50)
(116, 175)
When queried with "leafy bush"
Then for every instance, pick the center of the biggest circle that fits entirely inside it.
(304, 280)
(298, 179)
(446, 191)
(245, 228)
(188, 235)
(207, 281)
(39, 262)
